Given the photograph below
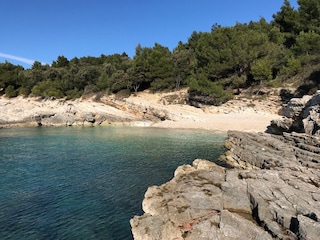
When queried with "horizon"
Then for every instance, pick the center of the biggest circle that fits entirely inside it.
(39, 31)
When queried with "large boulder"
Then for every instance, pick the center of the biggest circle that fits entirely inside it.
(295, 106)
(300, 115)
(311, 115)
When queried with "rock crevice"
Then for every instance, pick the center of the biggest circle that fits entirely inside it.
(272, 192)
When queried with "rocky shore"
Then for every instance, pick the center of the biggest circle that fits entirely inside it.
(167, 110)
(269, 191)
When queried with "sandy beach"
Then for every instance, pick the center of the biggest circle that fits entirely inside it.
(242, 114)
(145, 109)
(223, 122)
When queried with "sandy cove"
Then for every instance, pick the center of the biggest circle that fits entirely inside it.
(165, 110)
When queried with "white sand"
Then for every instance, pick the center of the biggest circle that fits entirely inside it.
(235, 115)
(242, 115)
(223, 122)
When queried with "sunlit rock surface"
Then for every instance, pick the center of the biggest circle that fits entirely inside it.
(271, 193)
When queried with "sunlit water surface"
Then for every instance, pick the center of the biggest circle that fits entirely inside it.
(87, 183)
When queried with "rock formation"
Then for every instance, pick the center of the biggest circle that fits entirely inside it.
(300, 115)
(52, 112)
(108, 109)
(143, 109)
(271, 193)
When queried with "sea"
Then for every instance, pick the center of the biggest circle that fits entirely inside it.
(88, 182)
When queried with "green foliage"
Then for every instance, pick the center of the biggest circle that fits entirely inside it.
(261, 70)
(10, 91)
(309, 15)
(9, 74)
(238, 81)
(73, 93)
(211, 64)
(276, 36)
(291, 68)
(288, 22)
(24, 91)
(37, 65)
(184, 63)
(152, 68)
(204, 87)
(307, 43)
(103, 82)
(62, 61)
(160, 68)
(119, 80)
(47, 89)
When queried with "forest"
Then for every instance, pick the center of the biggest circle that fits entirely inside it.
(213, 65)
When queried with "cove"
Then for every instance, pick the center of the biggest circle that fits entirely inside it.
(88, 182)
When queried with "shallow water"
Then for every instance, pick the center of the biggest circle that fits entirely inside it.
(87, 183)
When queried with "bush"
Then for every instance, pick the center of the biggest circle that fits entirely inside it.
(11, 92)
(24, 91)
(208, 92)
(292, 67)
(73, 94)
(47, 89)
(261, 70)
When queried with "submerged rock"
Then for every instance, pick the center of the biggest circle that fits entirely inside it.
(273, 192)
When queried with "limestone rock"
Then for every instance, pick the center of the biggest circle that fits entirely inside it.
(311, 116)
(300, 115)
(273, 193)
(295, 106)
(278, 126)
(308, 227)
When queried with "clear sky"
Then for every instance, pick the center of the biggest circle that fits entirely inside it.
(42, 30)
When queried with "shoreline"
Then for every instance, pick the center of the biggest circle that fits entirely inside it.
(247, 122)
(215, 122)
(142, 110)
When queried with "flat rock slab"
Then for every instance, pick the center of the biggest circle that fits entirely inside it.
(271, 192)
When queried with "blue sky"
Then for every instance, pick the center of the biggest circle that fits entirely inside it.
(42, 30)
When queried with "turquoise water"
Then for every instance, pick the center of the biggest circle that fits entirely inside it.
(87, 183)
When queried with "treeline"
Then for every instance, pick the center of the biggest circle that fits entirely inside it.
(212, 64)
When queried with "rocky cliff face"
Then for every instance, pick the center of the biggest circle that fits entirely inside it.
(272, 193)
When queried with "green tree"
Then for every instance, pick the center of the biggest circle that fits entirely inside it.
(119, 80)
(261, 70)
(140, 68)
(207, 92)
(307, 43)
(291, 68)
(103, 82)
(87, 75)
(62, 61)
(309, 15)
(193, 40)
(287, 19)
(37, 65)
(160, 64)
(184, 63)
(10, 76)
(276, 36)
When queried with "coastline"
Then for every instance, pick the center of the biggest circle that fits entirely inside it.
(142, 110)
(247, 122)
(269, 189)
